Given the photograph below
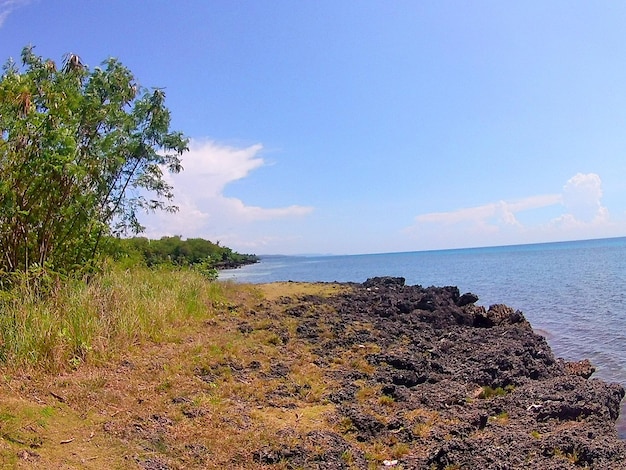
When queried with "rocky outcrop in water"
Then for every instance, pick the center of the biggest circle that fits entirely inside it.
(455, 385)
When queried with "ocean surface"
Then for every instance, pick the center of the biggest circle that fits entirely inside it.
(573, 293)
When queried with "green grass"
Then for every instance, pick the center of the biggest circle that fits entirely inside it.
(489, 392)
(79, 321)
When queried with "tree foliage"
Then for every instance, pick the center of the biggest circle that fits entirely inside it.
(176, 251)
(81, 153)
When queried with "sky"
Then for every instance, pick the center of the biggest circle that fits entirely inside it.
(345, 127)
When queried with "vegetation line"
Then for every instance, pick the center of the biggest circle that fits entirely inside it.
(75, 321)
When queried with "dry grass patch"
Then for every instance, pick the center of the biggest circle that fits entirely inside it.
(302, 420)
(276, 290)
(49, 434)
(423, 421)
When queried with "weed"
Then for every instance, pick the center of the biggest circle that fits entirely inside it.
(47, 411)
(501, 418)
(386, 400)
(273, 339)
(346, 425)
(489, 392)
(347, 457)
(362, 365)
(164, 386)
(422, 429)
(400, 450)
(366, 392)
(572, 456)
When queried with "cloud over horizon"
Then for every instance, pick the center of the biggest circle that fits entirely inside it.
(204, 210)
(497, 222)
(582, 196)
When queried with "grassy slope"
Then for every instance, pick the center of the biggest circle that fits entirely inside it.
(142, 369)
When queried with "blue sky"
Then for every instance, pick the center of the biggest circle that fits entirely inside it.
(370, 126)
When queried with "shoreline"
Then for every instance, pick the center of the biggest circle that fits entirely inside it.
(453, 382)
(315, 375)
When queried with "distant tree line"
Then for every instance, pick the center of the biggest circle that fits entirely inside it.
(194, 252)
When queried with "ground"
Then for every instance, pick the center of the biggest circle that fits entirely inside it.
(317, 375)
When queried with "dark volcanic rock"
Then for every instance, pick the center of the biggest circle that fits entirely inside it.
(467, 299)
(582, 368)
(454, 384)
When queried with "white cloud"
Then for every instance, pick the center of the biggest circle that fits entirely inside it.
(583, 216)
(581, 196)
(500, 212)
(204, 210)
(209, 167)
(8, 6)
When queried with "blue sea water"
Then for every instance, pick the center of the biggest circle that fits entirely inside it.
(574, 293)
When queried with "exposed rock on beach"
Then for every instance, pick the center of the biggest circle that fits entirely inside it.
(445, 384)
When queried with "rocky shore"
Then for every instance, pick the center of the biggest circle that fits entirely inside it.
(450, 384)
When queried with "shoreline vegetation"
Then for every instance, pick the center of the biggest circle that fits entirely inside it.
(175, 251)
(161, 368)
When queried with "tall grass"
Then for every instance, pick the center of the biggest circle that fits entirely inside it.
(78, 321)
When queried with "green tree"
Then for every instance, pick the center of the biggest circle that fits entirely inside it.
(81, 153)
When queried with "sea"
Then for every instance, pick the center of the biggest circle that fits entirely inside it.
(573, 293)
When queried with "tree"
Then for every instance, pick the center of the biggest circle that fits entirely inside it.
(81, 153)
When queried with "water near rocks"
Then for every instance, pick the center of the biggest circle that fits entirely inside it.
(572, 292)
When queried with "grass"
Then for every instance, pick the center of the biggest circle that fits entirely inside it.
(572, 456)
(141, 367)
(501, 418)
(94, 321)
(423, 421)
(489, 392)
